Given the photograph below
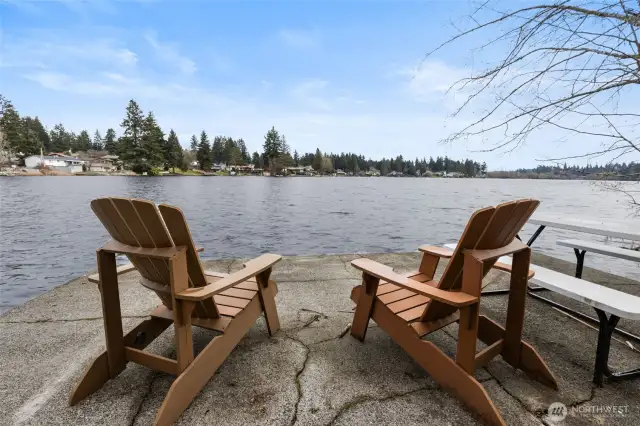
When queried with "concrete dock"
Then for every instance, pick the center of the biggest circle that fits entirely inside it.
(312, 372)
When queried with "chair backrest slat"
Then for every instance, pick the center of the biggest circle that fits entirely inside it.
(139, 223)
(488, 228)
(176, 223)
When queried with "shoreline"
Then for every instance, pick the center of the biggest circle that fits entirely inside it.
(61, 174)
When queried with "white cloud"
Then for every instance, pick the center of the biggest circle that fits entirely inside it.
(431, 79)
(170, 53)
(44, 51)
(312, 93)
(301, 39)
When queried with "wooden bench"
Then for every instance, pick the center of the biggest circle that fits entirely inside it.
(604, 300)
(580, 248)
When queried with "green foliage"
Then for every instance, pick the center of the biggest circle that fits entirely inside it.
(317, 160)
(154, 171)
(203, 156)
(82, 142)
(130, 143)
(110, 142)
(97, 144)
(273, 148)
(152, 142)
(194, 144)
(143, 146)
(60, 139)
(172, 151)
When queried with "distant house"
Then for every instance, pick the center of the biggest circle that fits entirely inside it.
(218, 167)
(373, 172)
(101, 167)
(453, 175)
(340, 172)
(58, 162)
(298, 170)
(245, 168)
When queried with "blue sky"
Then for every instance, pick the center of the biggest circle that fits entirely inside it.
(339, 75)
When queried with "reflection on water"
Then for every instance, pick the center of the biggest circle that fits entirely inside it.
(49, 233)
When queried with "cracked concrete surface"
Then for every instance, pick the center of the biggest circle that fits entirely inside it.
(311, 372)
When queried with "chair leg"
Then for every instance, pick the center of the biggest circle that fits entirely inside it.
(189, 383)
(98, 372)
(364, 307)
(438, 365)
(267, 294)
(528, 358)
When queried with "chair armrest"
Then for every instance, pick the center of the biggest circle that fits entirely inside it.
(123, 269)
(490, 254)
(456, 299)
(251, 269)
(507, 268)
(437, 251)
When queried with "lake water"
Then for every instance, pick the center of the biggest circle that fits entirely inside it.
(49, 233)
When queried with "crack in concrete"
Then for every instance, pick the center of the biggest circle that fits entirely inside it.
(154, 375)
(45, 320)
(294, 419)
(367, 398)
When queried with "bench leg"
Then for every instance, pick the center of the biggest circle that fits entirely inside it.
(602, 371)
(579, 261)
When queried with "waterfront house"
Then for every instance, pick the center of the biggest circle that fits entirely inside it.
(340, 172)
(373, 172)
(298, 170)
(55, 162)
(218, 167)
(245, 168)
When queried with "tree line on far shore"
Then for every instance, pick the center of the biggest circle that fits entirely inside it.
(143, 145)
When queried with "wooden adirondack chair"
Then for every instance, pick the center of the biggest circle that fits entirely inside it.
(158, 243)
(411, 306)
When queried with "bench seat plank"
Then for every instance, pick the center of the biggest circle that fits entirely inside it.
(623, 305)
(594, 247)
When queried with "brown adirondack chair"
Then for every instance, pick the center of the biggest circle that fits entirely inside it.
(158, 243)
(411, 306)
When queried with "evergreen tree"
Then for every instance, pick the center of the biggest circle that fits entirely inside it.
(203, 155)
(194, 144)
(272, 149)
(12, 128)
(60, 139)
(284, 146)
(232, 154)
(296, 158)
(173, 154)
(246, 158)
(30, 143)
(43, 135)
(255, 160)
(317, 160)
(82, 142)
(97, 141)
(152, 142)
(110, 143)
(130, 143)
(217, 150)
(356, 166)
